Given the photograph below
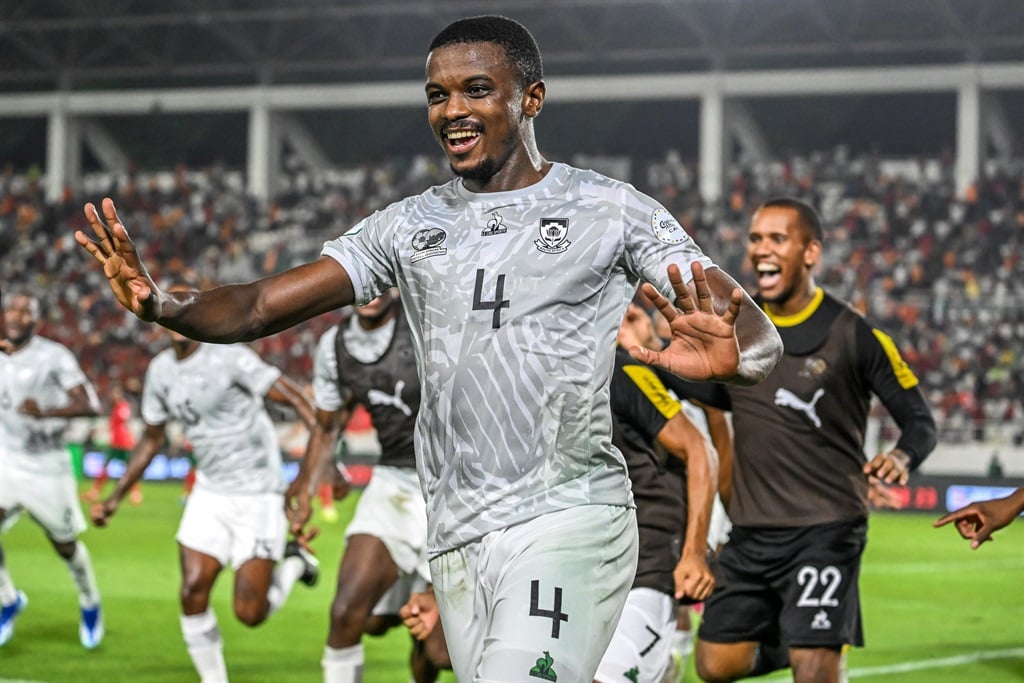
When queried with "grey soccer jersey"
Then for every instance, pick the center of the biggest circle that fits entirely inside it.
(45, 371)
(514, 299)
(217, 395)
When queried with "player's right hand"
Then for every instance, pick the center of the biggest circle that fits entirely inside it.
(103, 511)
(122, 266)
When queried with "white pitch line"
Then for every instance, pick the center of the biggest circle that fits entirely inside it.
(921, 665)
(18, 680)
(987, 565)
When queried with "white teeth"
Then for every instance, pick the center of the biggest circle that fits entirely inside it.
(767, 268)
(460, 134)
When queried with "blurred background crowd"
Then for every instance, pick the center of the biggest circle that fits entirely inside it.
(944, 275)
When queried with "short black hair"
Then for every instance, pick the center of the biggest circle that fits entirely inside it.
(809, 218)
(513, 37)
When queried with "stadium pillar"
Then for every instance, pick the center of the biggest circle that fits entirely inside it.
(63, 152)
(968, 135)
(263, 150)
(712, 141)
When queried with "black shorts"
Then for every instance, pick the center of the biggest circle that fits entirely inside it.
(793, 586)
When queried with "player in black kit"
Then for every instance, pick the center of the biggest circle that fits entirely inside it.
(799, 504)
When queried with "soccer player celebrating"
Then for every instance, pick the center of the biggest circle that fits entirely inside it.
(514, 277)
(41, 386)
(800, 482)
(235, 514)
(673, 470)
(369, 360)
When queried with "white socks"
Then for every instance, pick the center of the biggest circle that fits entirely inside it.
(205, 646)
(81, 573)
(8, 593)
(682, 642)
(343, 665)
(286, 573)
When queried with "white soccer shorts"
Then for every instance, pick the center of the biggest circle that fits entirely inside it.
(538, 600)
(234, 528)
(392, 509)
(51, 500)
(640, 648)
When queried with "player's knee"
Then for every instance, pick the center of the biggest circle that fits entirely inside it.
(379, 624)
(348, 615)
(714, 669)
(251, 612)
(194, 596)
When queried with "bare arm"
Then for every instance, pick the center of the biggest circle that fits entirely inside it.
(231, 313)
(287, 392)
(83, 404)
(978, 521)
(721, 437)
(684, 441)
(327, 426)
(718, 332)
(153, 438)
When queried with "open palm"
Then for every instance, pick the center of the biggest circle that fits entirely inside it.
(703, 345)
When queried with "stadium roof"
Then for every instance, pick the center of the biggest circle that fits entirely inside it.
(53, 44)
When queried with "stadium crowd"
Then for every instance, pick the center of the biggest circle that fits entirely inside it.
(944, 274)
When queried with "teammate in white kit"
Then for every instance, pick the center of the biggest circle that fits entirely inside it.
(41, 386)
(235, 514)
(368, 359)
(514, 277)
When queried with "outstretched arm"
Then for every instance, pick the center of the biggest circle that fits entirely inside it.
(152, 439)
(718, 332)
(978, 521)
(231, 313)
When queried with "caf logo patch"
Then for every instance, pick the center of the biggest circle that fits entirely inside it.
(667, 228)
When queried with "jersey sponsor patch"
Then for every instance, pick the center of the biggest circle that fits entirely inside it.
(667, 228)
(554, 233)
(428, 243)
(904, 375)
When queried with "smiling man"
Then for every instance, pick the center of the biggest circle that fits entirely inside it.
(799, 504)
(514, 276)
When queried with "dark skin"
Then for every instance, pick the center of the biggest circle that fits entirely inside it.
(199, 571)
(784, 254)
(367, 570)
(20, 318)
(469, 87)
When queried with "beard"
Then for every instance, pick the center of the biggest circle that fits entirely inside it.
(482, 172)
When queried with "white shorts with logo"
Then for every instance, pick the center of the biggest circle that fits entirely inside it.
(51, 499)
(234, 528)
(538, 600)
(392, 510)
(640, 649)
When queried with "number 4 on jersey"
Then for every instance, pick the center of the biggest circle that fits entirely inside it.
(495, 304)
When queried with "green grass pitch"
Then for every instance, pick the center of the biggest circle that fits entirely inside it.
(934, 610)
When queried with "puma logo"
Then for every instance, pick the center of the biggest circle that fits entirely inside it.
(380, 398)
(787, 399)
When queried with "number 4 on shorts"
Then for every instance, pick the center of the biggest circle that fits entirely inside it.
(555, 614)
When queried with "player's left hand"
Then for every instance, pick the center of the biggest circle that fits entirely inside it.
(30, 407)
(420, 614)
(703, 344)
(693, 578)
(890, 468)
